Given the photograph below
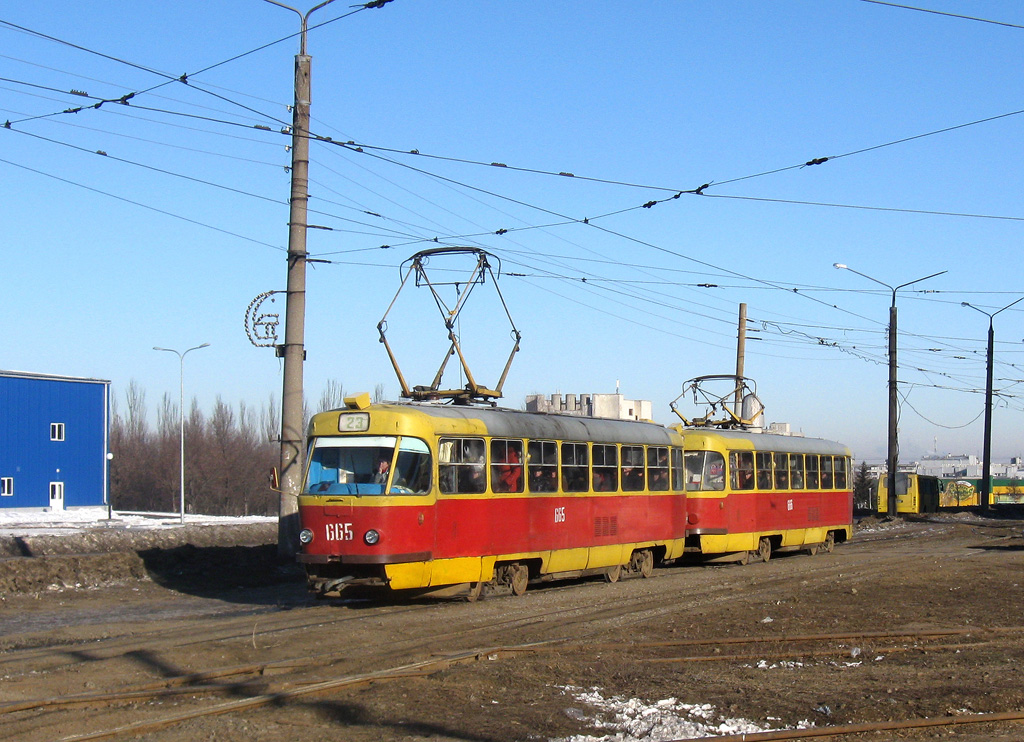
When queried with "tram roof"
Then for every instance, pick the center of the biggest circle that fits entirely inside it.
(505, 422)
(772, 441)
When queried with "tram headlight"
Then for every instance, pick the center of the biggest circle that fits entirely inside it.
(305, 536)
(371, 537)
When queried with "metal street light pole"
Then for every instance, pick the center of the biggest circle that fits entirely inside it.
(293, 351)
(986, 465)
(893, 448)
(181, 410)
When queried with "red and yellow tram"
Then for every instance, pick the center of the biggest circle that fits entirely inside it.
(427, 497)
(752, 493)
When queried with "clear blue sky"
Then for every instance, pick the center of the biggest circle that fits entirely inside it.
(166, 240)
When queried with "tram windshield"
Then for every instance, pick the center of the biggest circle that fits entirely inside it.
(368, 465)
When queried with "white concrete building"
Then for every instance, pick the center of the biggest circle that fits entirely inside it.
(613, 406)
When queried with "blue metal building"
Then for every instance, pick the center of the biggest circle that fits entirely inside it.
(54, 440)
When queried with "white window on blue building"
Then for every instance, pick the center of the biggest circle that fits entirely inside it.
(6, 486)
(56, 431)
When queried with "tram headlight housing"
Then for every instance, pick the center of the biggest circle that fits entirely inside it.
(305, 536)
(371, 537)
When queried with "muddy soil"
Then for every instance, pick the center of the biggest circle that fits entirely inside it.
(910, 621)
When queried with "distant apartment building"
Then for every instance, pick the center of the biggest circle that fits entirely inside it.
(968, 466)
(614, 406)
(956, 466)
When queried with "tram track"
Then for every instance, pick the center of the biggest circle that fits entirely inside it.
(283, 691)
(758, 579)
(584, 620)
(575, 621)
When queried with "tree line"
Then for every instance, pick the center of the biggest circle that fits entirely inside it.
(229, 454)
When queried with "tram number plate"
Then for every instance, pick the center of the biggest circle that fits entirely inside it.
(354, 422)
(559, 515)
(339, 531)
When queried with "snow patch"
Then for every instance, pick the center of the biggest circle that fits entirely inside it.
(46, 522)
(633, 720)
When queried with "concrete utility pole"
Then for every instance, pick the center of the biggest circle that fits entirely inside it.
(293, 351)
(741, 353)
(893, 447)
(986, 465)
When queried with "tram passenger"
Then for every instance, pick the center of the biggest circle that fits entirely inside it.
(380, 474)
(781, 471)
(826, 472)
(507, 471)
(543, 479)
(764, 470)
(633, 478)
(659, 476)
(742, 472)
(574, 478)
(471, 477)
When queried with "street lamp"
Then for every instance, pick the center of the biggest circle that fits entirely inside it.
(181, 408)
(986, 466)
(893, 450)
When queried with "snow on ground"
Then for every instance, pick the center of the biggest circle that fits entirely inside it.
(39, 522)
(633, 720)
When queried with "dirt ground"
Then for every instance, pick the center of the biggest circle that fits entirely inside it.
(205, 635)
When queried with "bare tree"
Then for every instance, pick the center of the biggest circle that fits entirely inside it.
(332, 397)
(228, 457)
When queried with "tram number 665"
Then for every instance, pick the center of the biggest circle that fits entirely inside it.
(339, 531)
(559, 515)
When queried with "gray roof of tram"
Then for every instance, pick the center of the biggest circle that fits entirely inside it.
(776, 442)
(508, 423)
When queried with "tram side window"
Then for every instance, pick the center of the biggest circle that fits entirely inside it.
(826, 473)
(796, 471)
(606, 468)
(764, 470)
(781, 462)
(412, 472)
(678, 483)
(705, 470)
(741, 470)
(461, 466)
(506, 465)
(840, 471)
(575, 472)
(714, 471)
(542, 466)
(657, 468)
(632, 468)
(812, 471)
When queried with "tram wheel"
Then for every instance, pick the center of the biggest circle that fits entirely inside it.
(642, 562)
(830, 542)
(612, 574)
(475, 590)
(812, 549)
(745, 557)
(519, 578)
(764, 549)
